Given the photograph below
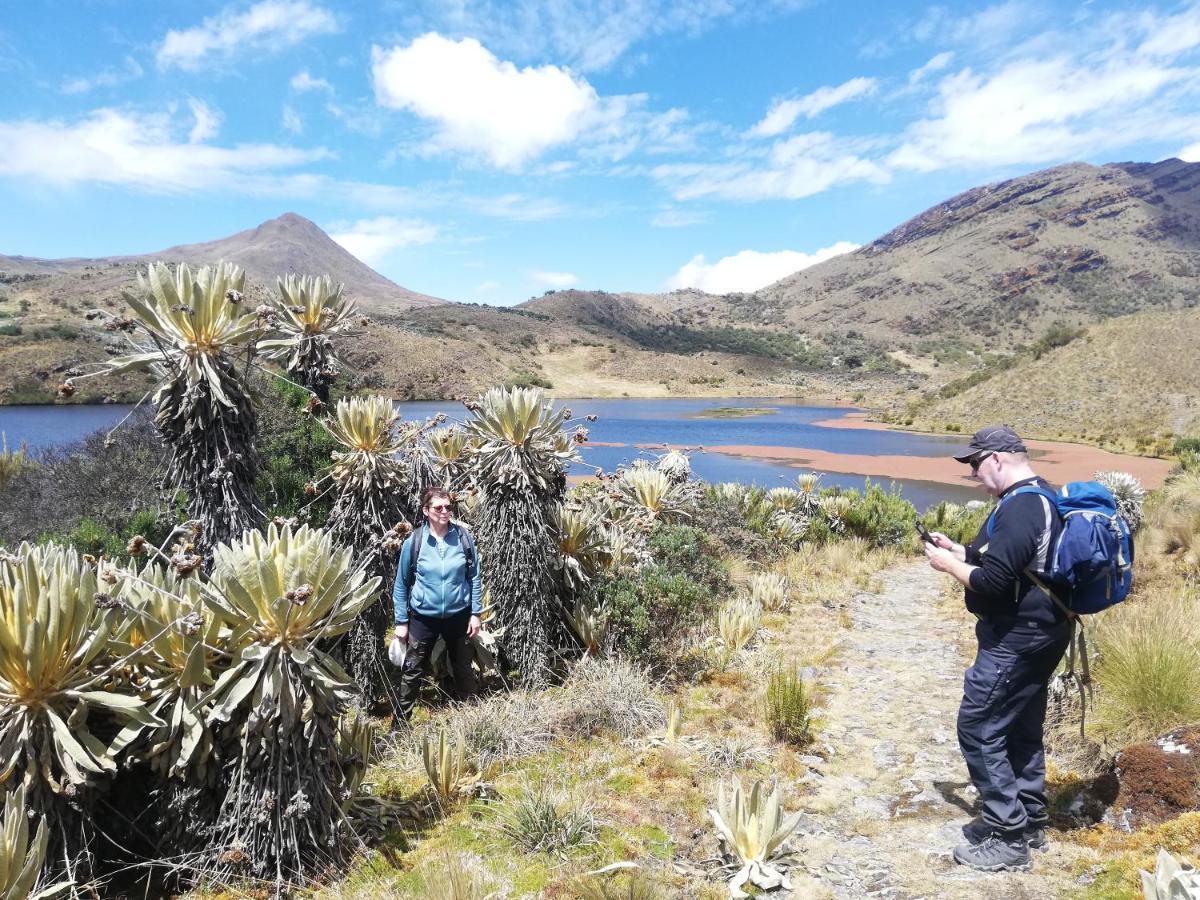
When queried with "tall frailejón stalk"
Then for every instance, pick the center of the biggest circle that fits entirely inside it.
(519, 455)
(200, 340)
(370, 515)
(277, 711)
(307, 311)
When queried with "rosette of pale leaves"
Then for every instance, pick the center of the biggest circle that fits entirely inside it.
(753, 829)
(519, 455)
(788, 528)
(835, 509)
(784, 499)
(275, 710)
(372, 484)
(1129, 494)
(172, 640)
(307, 311)
(21, 859)
(517, 441)
(646, 493)
(198, 328)
(449, 452)
(55, 625)
(583, 551)
(1171, 880)
(770, 591)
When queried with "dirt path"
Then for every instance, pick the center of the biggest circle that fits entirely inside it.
(887, 795)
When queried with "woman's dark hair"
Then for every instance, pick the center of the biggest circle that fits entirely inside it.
(430, 493)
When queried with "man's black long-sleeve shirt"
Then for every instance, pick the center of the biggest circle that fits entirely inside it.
(1024, 528)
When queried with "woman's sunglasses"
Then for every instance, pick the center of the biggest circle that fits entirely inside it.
(439, 507)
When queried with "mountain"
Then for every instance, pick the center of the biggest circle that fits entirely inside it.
(996, 266)
(289, 243)
(1121, 383)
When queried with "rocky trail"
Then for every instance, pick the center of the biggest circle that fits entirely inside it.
(886, 791)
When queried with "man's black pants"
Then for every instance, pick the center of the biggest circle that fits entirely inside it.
(1001, 718)
(423, 632)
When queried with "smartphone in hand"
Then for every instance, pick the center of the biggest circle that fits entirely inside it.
(924, 533)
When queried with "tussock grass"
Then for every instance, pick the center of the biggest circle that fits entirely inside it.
(546, 820)
(1148, 666)
(456, 876)
(631, 886)
(606, 695)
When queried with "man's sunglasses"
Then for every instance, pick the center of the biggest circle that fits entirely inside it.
(977, 460)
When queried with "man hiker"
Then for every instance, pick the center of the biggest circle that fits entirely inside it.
(1022, 633)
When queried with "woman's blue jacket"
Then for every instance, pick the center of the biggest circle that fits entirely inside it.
(441, 588)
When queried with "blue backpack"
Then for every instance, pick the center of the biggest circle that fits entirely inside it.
(1090, 566)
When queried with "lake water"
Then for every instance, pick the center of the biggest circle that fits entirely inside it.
(627, 423)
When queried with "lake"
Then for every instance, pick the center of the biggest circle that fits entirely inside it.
(621, 426)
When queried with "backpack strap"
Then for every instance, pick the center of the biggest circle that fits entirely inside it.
(468, 547)
(418, 540)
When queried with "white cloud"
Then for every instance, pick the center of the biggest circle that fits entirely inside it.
(373, 240)
(556, 280)
(1172, 35)
(749, 270)
(144, 152)
(269, 25)
(798, 167)
(480, 104)
(487, 287)
(935, 64)
(302, 82)
(291, 120)
(1190, 153)
(206, 121)
(784, 113)
(131, 70)
(1039, 110)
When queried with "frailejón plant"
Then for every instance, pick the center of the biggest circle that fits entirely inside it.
(275, 711)
(770, 591)
(519, 455)
(753, 830)
(200, 340)
(306, 312)
(1172, 880)
(446, 764)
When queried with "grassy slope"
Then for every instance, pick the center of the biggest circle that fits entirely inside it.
(1127, 377)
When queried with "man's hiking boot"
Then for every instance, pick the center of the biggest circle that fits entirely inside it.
(994, 854)
(977, 831)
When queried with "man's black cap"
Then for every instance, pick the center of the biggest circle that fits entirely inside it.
(996, 438)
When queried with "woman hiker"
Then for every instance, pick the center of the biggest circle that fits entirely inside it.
(438, 593)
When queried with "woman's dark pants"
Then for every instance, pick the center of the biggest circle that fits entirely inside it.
(1001, 718)
(423, 632)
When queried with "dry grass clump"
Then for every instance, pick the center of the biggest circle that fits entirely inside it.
(1148, 666)
(504, 727)
(606, 695)
(626, 886)
(456, 876)
(827, 570)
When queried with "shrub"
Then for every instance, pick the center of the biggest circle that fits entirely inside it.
(684, 550)
(786, 707)
(547, 821)
(108, 481)
(294, 450)
(10, 329)
(1148, 667)
(12, 462)
(526, 380)
(653, 615)
(959, 523)
(882, 518)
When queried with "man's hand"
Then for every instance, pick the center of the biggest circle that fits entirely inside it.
(957, 550)
(402, 632)
(941, 559)
(474, 627)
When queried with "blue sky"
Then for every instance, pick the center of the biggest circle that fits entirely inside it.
(488, 151)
